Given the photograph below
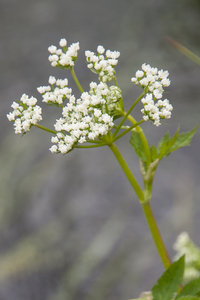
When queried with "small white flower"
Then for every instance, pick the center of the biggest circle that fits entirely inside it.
(59, 52)
(54, 64)
(11, 116)
(139, 74)
(100, 49)
(63, 43)
(82, 140)
(52, 49)
(52, 80)
(15, 105)
(157, 94)
(53, 149)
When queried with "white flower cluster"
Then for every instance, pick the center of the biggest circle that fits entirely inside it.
(84, 119)
(25, 114)
(55, 95)
(65, 59)
(102, 65)
(184, 245)
(155, 111)
(152, 81)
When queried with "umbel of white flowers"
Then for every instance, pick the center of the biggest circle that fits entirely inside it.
(92, 115)
(152, 81)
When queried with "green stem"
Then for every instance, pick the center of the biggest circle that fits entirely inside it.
(76, 80)
(156, 234)
(46, 129)
(146, 208)
(127, 171)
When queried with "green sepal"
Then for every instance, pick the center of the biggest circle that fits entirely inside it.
(168, 284)
(190, 289)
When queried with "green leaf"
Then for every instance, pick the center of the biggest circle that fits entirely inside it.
(190, 289)
(137, 144)
(184, 139)
(165, 138)
(169, 282)
(167, 145)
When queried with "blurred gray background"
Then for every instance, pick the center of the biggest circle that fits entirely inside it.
(71, 226)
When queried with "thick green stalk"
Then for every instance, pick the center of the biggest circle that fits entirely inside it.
(127, 171)
(146, 208)
(156, 235)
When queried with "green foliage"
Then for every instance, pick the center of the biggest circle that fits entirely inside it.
(183, 139)
(166, 145)
(169, 282)
(138, 145)
(169, 285)
(154, 153)
(190, 289)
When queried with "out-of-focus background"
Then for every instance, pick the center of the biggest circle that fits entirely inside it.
(70, 226)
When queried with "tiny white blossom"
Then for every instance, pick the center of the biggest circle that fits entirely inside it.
(53, 149)
(52, 49)
(52, 80)
(139, 73)
(63, 43)
(100, 49)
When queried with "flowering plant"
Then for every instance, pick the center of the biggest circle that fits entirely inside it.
(90, 121)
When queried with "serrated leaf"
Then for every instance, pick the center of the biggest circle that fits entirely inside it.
(167, 145)
(137, 144)
(154, 153)
(191, 289)
(169, 282)
(184, 139)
